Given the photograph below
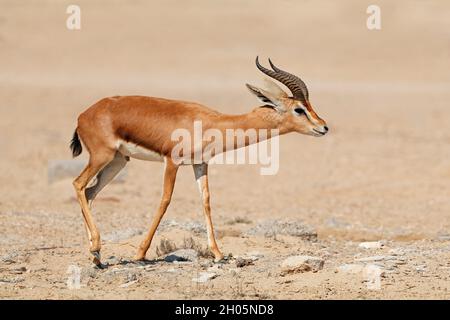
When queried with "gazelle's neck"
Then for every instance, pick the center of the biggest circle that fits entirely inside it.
(259, 118)
(258, 125)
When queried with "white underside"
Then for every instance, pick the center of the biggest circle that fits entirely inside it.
(135, 151)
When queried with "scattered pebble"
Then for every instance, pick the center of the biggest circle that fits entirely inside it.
(241, 262)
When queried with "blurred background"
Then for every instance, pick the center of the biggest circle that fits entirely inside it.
(383, 169)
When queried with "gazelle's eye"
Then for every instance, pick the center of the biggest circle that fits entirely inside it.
(299, 111)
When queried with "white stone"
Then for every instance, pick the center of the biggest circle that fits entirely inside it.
(371, 245)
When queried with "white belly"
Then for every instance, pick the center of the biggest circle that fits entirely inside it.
(132, 150)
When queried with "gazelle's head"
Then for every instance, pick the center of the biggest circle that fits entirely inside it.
(295, 111)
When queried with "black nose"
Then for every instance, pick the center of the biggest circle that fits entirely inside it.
(325, 128)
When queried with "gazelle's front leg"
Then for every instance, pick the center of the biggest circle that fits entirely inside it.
(170, 175)
(201, 175)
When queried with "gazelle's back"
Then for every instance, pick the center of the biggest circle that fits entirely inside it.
(144, 121)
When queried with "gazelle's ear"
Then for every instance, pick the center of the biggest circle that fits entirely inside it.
(274, 88)
(266, 97)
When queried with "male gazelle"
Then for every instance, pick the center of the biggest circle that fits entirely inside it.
(119, 128)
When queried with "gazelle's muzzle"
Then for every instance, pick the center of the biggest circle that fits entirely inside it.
(320, 131)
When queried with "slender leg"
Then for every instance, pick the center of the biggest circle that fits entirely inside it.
(105, 176)
(201, 175)
(96, 163)
(170, 174)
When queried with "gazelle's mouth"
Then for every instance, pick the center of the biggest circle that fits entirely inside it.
(320, 133)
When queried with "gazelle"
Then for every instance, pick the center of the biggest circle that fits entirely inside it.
(118, 128)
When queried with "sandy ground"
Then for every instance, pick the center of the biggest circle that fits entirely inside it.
(381, 174)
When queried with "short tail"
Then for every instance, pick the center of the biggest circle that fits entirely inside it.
(75, 145)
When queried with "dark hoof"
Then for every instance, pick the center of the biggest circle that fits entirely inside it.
(224, 259)
(96, 258)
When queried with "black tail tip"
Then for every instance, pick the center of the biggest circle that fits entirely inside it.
(75, 145)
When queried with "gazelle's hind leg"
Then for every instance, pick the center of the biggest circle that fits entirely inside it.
(105, 176)
(170, 174)
(201, 175)
(97, 161)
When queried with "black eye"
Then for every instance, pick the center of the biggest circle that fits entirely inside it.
(299, 111)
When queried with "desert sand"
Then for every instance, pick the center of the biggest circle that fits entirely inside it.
(381, 174)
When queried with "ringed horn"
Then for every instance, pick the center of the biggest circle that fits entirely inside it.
(294, 83)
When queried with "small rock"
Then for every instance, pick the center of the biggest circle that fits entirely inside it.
(10, 257)
(296, 264)
(371, 245)
(204, 277)
(241, 262)
(182, 255)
